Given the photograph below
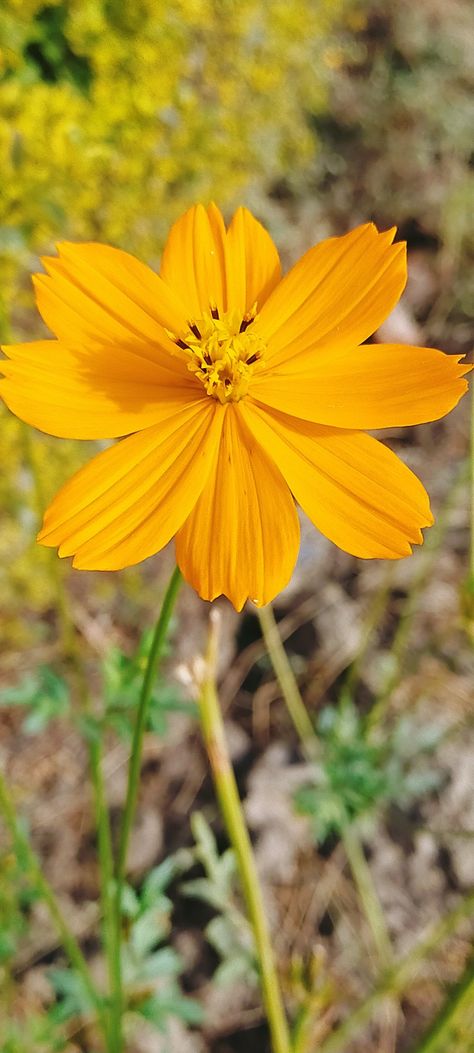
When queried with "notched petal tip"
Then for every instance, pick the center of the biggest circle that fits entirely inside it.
(336, 295)
(355, 490)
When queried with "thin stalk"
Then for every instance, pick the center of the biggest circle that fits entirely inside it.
(212, 727)
(285, 676)
(370, 901)
(471, 551)
(154, 657)
(374, 616)
(299, 715)
(397, 979)
(68, 940)
(402, 635)
(469, 584)
(459, 1002)
(72, 652)
(110, 932)
(111, 935)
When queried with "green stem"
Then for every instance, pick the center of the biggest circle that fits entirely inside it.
(286, 677)
(365, 886)
(41, 883)
(402, 635)
(304, 728)
(354, 852)
(212, 726)
(156, 651)
(471, 552)
(398, 979)
(72, 652)
(372, 621)
(460, 1000)
(110, 933)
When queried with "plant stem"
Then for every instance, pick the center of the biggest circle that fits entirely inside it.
(156, 652)
(110, 933)
(397, 980)
(471, 551)
(372, 621)
(111, 936)
(299, 715)
(440, 1036)
(365, 886)
(72, 652)
(286, 677)
(427, 560)
(68, 940)
(212, 726)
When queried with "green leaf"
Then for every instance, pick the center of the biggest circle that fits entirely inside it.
(165, 962)
(157, 880)
(130, 902)
(150, 928)
(46, 695)
(74, 999)
(158, 1008)
(235, 970)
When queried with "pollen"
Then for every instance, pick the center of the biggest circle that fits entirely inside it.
(222, 351)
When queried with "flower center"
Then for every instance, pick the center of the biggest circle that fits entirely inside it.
(222, 352)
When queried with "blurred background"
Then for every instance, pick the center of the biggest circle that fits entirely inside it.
(115, 117)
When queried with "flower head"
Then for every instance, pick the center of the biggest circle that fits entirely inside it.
(239, 392)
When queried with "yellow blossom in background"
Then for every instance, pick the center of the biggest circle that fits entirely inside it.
(114, 117)
(239, 392)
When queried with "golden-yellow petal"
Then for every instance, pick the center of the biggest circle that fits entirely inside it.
(92, 393)
(242, 537)
(98, 294)
(132, 498)
(252, 263)
(335, 296)
(354, 489)
(373, 386)
(192, 264)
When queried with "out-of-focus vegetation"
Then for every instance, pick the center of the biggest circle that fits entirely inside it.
(397, 140)
(115, 116)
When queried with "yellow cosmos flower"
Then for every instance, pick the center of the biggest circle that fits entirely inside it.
(244, 391)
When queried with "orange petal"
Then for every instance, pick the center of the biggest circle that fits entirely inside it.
(252, 262)
(335, 296)
(92, 394)
(96, 293)
(192, 264)
(132, 498)
(242, 537)
(354, 489)
(373, 386)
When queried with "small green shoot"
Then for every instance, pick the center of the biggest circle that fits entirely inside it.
(354, 776)
(228, 932)
(150, 966)
(44, 694)
(122, 676)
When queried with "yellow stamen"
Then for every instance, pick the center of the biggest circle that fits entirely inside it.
(222, 352)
